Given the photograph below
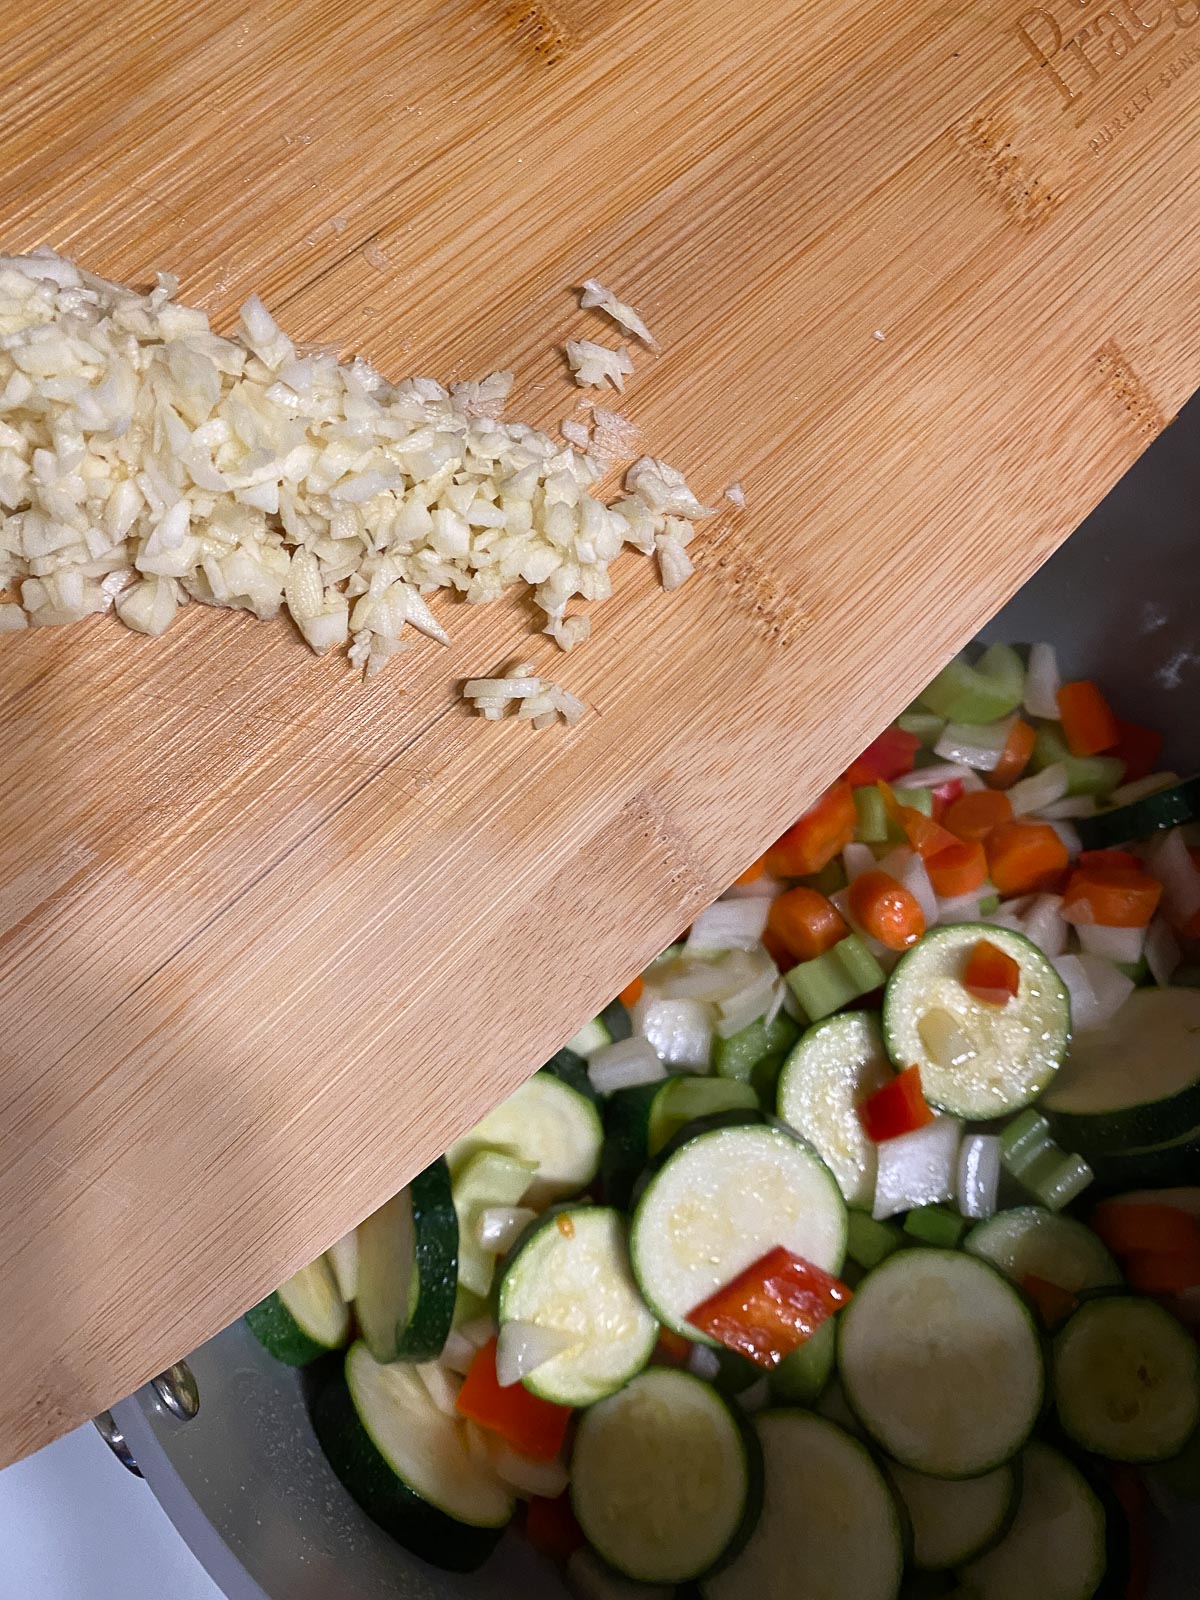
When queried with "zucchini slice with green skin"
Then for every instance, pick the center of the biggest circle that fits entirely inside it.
(1167, 808)
(977, 1060)
(612, 1025)
(571, 1273)
(489, 1178)
(572, 1070)
(404, 1461)
(941, 1361)
(955, 1520)
(641, 1121)
(801, 1377)
(830, 1525)
(837, 1064)
(755, 1055)
(305, 1318)
(1029, 1241)
(1126, 1379)
(1154, 1166)
(666, 1480)
(1056, 1548)
(719, 1202)
(408, 1270)
(547, 1123)
(1136, 1081)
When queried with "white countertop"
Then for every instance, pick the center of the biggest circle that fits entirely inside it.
(74, 1525)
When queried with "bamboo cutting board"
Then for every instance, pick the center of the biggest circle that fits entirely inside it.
(925, 278)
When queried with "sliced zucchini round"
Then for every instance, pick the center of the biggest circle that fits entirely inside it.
(835, 1066)
(571, 1273)
(640, 1122)
(1166, 808)
(572, 1070)
(718, 1203)
(830, 1526)
(305, 1318)
(1176, 1161)
(408, 1270)
(801, 1377)
(1134, 1082)
(666, 1481)
(1056, 1546)
(955, 1520)
(1030, 1241)
(941, 1362)
(405, 1463)
(1127, 1379)
(977, 1060)
(545, 1122)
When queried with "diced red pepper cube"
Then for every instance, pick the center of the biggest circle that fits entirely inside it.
(771, 1307)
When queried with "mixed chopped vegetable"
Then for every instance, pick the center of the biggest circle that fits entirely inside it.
(853, 1248)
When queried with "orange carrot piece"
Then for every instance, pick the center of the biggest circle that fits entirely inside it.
(1052, 1304)
(805, 923)
(814, 839)
(672, 1349)
(1111, 897)
(631, 993)
(1088, 723)
(754, 871)
(886, 910)
(977, 814)
(960, 868)
(1014, 758)
(1126, 1226)
(925, 835)
(550, 1527)
(1024, 857)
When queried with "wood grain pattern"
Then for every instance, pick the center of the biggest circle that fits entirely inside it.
(268, 937)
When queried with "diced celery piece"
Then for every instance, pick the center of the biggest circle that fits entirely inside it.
(1137, 971)
(755, 1055)
(985, 692)
(1097, 775)
(861, 966)
(926, 725)
(919, 799)
(686, 1098)
(872, 824)
(830, 879)
(801, 1375)
(1024, 1140)
(937, 1226)
(834, 979)
(989, 904)
(1056, 1178)
(869, 1242)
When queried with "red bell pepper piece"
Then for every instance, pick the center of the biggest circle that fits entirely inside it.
(550, 1527)
(944, 796)
(991, 974)
(1052, 1304)
(1125, 860)
(890, 756)
(672, 1349)
(533, 1427)
(771, 1308)
(898, 1108)
(1130, 1493)
(1139, 748)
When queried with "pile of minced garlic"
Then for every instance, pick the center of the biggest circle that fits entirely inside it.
(146, 462)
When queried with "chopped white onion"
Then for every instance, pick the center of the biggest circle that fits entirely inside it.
(857, 859)
(1042, 682)
(624, 1065)
(918, 1168)
(500, 688)
(755, 1396)
(979, 1175)
(458, 1352)
(1039, 790)
(1096, 988)
(546, 1479)
(595, 364)
(736, 495)
(679, 1031)
(728, 925)
(764, 887)
(778, 999)
(1043, 924)
(1162, 951)
(960, 907)
(1074, 806)
(1114, 944)
(498, 1227)
(938, 773)
(1128, 793)
(477, 1330)
(1170, 861)
(741, 1009)
(975, 745)
(523, 1347)
(909, 871)
(704, 1363)
(702, 978)
(1069, 835)
(441, 1384)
